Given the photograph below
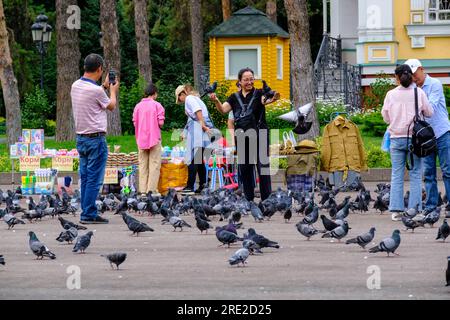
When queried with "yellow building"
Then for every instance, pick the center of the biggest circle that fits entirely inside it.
(379, 34)
(250, 39)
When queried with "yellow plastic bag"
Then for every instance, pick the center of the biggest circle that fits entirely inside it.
(172, 175)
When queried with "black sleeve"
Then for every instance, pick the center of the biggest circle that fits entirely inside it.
(231, 100)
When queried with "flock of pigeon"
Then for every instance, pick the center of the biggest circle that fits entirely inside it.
(228, 206)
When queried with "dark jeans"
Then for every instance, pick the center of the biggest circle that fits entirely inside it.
(197, 166)
(93, 155)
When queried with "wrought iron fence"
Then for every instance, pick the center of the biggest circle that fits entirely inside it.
(334, 79)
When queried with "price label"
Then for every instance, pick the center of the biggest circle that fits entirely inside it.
(111, 176)
(62, 163)
(28, 163)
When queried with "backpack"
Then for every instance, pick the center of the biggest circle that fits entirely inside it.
(244, 117)
(423, 140)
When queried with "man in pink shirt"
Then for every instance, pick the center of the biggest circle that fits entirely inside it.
(148, 118)
(89, 104)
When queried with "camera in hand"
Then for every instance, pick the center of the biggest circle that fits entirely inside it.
(112, 77)
(268, 93)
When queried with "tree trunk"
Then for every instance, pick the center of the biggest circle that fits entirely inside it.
(68, 58)
(301, 61)
(197, 39)
(142, 39)
(111, 52)
(9, 85)
(226, 9)
(271, 10)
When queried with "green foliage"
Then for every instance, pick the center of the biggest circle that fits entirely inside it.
(276, 109)
(377, 158)
(447, 97)
(378, 89)
(326, 109)
(373, 123)
(36, 109)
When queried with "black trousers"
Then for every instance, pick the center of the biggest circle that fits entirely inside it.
(197, 166)
(247, 170)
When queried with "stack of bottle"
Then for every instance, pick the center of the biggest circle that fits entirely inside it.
(28, 184)
(45, 181)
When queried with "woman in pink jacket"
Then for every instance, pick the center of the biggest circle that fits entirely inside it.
(399, 112)
(148, 118)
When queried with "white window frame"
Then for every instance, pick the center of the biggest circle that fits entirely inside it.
(436, 10)
(280, 62)
(242, 47)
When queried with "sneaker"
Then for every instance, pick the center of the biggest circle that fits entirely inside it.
(187, 190)
(96, 220)
(200, 189)
(396, 216)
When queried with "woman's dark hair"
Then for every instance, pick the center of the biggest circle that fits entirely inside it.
(150, 90)
(404, 73)
(244, 70)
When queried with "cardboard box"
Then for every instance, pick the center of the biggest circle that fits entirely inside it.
(37, 135)
(36, 149)
(13, 151)
(22, 149)
(26, 135)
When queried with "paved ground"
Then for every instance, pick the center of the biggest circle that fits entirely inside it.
(187, 265)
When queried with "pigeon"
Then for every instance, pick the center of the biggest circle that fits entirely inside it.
(240, 256)
(364, 239)
(251, 246)
(2, 260)
(306, 229)
(115, 258)
(328, 224)
(260, 240)
(68, 235)
(343, 213)
(411, 212)
(135, 225)
(447, 273)
(38, 248)
(444, 231)
(83, 242)
(11, 221)
(66, 224)
(287, 215)
(312, 217)
(388, 245)
(177, 222)
(432, 217)
(202, 225)
(337, 233)
(256, 212)
(411, 224)
(226, 237)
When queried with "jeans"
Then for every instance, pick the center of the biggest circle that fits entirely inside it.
(429, 171)
(399, 154)
(93, 154)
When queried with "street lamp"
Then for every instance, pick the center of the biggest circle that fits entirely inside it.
(42, 35)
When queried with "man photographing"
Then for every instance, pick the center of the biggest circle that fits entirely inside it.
(89, 104)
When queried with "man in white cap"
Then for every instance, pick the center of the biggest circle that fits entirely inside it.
(441, 126)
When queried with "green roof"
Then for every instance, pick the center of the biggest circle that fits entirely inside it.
(248, 22)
